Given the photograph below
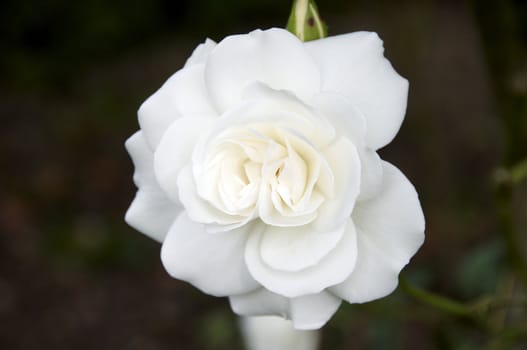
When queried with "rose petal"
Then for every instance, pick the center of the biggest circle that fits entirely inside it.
(142, 158)
(201, 53)
(264, 106)
(183, 94)
(370, 174)
(394, 219)
(344, 162)
(390, 229)
(158, 112)
(213, 263)
(349, 122)
(274, 57)
(334, 268)
(313, 311)
(151, 212)
(271, 216)
(279, 103)
(306, 312)
(354, 65)
(190, 93)
(375, 276)
(175, 151)
(296, 248)
(200, 210)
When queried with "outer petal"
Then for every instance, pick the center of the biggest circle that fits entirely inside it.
(336, 266)
(371, 173)
(347, 120)
(306, 312)
(183, 94)
(393, 220)
(151, 212)
(354, 65)
(212, 262)
(375, 276)
(158, 112)
(142, 158)
(175, 151)
(296, 248)
(313, 311)
(201, 53)
(274, 57)
(350, 123)
(190, 93)
(390, 229)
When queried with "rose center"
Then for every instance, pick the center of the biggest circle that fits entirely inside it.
(252, 166)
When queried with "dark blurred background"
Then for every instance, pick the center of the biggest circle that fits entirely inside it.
(73, 275)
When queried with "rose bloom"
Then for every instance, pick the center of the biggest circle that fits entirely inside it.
(256, 168)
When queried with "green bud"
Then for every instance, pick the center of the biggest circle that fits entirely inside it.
(305, 21)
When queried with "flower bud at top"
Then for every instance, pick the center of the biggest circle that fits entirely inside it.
(305, 21)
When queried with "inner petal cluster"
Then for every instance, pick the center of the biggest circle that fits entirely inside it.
(267, 171)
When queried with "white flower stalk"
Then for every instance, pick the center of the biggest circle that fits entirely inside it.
(256, 168)
(271, 332)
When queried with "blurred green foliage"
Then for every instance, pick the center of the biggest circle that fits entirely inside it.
(480, 270)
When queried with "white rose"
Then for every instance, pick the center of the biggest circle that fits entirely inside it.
(256, 167)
